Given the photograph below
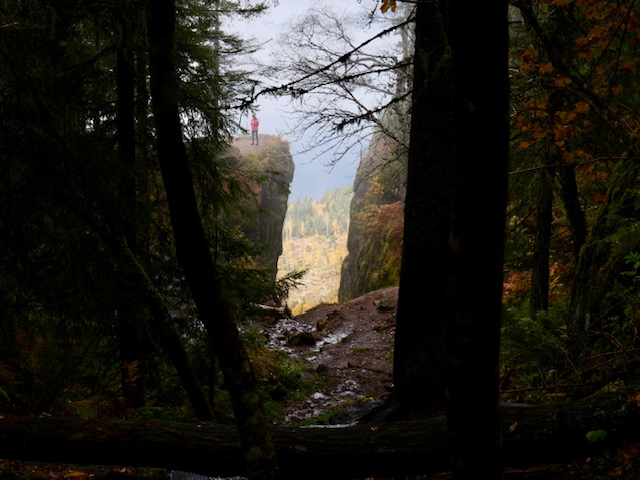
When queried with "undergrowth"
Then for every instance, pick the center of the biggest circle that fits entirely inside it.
(546, 356)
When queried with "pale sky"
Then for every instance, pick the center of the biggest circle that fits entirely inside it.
(313, 176)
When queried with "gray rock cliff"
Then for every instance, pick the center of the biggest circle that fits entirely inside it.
(268, 170)
(376, 221)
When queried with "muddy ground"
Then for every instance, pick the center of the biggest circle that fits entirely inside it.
(350, 345)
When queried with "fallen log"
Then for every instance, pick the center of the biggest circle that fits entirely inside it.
(532, 434)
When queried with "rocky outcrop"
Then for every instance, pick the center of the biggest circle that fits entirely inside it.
(267, 169)
(376, 221)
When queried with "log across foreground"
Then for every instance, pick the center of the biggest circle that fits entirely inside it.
(532, 434)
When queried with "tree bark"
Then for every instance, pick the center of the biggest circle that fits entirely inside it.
(476, 246)
(419, 350)
(575, 214)
(131, 314)
(141, 286)
(540, 269)
(532, 435)
(167, 330)
(193, 250)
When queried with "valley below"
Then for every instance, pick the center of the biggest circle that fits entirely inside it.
(322, 257)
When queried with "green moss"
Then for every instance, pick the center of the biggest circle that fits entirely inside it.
(356, 350)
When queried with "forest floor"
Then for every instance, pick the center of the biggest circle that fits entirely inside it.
(352, 351)
(354, 354)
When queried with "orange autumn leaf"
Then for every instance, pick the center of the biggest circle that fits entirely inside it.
(582, 107)
(526, 61)
(583, 155)
(601, 176)
(76, 475)
(527, 56)
(581, 42)
(538, 131)
(561, 81)
(631, 452)
(545, 68)
(599, 198)
(388, 5)
(635, 398)
(593, 14)
(628, 67)
(566, 117)
(584, 55)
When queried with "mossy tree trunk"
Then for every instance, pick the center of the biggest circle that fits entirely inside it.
(532, 435)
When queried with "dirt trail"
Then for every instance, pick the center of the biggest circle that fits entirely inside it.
(353, 352)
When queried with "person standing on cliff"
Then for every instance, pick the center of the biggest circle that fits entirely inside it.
(254, 129)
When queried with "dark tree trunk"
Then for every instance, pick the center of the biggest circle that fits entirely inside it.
(553, 45)
(476, 250)
(419, 351)
(146, 293)
(564, 34)
(193, 250)
(575, 214)
(540, 271)
(163, 324)
(131, 314)
(532, 435)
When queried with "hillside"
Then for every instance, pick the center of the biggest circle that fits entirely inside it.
(315, 239)
(322, 256)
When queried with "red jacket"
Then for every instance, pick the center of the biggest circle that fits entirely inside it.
(254, 123)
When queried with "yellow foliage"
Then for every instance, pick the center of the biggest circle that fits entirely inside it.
(323, 257)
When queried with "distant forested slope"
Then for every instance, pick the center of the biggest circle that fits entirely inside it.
(315, 239)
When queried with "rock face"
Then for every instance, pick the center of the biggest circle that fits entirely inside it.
(268, 170)
(376, 222)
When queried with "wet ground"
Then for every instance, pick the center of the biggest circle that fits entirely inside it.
(350, 346)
